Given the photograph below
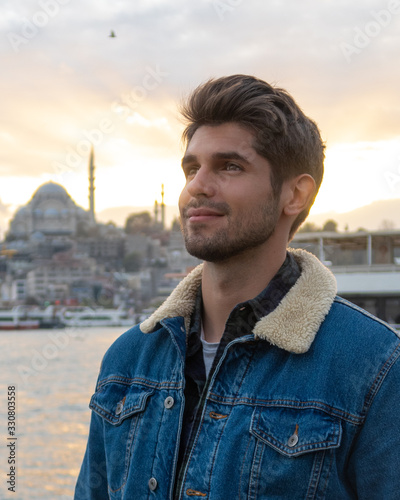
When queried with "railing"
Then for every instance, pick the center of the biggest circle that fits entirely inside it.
(364, 268)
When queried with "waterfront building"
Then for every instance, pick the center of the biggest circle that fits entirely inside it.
(366, 266)
(13, 290)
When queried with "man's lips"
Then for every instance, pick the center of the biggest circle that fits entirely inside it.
(202, 214)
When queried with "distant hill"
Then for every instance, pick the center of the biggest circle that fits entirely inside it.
(371, 217)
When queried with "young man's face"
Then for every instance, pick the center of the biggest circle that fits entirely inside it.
(227, 205)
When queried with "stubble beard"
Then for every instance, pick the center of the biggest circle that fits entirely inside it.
(236, 238)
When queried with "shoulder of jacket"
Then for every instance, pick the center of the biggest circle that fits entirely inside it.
(354, 334)
(363, 318)
(123, 349)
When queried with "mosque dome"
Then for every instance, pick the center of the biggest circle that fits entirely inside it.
(51, 190)
(52, 211)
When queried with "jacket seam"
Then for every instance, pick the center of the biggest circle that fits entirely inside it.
(138, 381)
(327, 472)
(169, 330)
(377, 383)
(315, 475)
(285, 403)
(242, 467)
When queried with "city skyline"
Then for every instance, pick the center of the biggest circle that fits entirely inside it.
(69, 85)
(378, 215)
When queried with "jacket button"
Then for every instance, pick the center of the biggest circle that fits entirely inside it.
(153, 483)
(293, 440)
(169, 402)
(120, 407)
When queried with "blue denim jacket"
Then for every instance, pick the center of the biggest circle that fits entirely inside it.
(306, 406)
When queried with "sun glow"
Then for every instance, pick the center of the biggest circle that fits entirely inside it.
(129, 173)
(357, 174)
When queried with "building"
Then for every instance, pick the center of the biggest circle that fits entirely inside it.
(366, 266)
(50, 212)
(179, 260)
(54, 279)
(13, 291)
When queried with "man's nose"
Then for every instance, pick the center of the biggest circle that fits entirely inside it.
(203, 183)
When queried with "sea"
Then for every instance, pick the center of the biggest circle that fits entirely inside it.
(54, 373)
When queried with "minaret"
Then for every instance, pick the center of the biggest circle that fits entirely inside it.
(91, 187)
(156, 212)
(162, 208)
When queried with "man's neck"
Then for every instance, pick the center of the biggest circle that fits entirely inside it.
(226, 284)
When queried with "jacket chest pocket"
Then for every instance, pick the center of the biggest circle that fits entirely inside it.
(293, 452)
(120, 406)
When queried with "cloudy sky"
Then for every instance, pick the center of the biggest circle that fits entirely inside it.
(65, 83)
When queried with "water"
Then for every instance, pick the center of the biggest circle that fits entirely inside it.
(55, 374)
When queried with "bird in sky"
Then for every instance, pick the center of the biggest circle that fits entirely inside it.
(112, 34)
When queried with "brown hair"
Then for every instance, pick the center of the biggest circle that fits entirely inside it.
(284, 135)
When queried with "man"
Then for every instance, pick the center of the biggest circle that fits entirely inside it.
(253, 380)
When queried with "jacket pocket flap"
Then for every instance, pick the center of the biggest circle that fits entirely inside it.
(116, 401)
(294, 431)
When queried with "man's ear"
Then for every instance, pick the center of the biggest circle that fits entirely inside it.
(300, 191)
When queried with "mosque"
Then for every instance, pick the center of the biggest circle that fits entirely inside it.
(52, 212)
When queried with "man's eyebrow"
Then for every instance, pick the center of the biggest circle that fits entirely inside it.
(224, 155)
(188, 159)
(229, 155)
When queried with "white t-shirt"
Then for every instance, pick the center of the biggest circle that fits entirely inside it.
(209, 351)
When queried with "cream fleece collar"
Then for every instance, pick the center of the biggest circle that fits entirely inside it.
(291, 326)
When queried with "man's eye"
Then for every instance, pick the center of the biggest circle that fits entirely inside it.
(191, 171)
(233, 167)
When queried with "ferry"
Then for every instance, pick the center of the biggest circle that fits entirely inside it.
(17, 319)
(48, 317)
(86, 316)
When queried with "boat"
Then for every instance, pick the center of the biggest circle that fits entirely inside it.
(86, 316)
(48, 317)
(17, 319)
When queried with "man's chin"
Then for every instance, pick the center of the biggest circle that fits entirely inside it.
(203, 253)
(209, 253)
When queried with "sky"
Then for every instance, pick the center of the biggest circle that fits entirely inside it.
(65, 83)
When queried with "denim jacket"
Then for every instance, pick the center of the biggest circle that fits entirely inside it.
(304, 406)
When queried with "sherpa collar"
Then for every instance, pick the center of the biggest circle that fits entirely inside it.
(291, 326)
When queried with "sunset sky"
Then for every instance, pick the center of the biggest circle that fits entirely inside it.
(65, 83)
